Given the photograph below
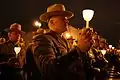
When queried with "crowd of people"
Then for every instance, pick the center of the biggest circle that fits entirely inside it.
(51, 56)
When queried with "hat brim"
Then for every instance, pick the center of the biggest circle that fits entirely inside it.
(21, 32)
(45, 16)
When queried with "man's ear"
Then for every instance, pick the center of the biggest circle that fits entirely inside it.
(52, 22)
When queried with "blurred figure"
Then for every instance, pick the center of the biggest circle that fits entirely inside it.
(96, 39)
(97, 59)
(103, 44)
(10, 64)
(2, 40)
(118, 44)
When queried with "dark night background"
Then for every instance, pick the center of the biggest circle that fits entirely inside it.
(106, 20)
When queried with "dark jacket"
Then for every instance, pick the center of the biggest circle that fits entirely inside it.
(30, 69)
(54, 59)
(8, 59)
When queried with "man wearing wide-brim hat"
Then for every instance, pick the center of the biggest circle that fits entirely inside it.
(51, 53)
(11, 63)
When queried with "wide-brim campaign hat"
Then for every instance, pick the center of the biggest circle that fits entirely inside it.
(55, 10)
(15, 27)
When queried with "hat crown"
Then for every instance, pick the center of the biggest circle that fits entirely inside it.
(56, 7)
(56, 10)
(15, 26)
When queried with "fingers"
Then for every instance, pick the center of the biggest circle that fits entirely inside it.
(86, 33)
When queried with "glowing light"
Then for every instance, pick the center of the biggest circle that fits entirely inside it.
(67, 35)
(17, 50)
(110, 46)
(103, 52)
(38, 24)
(113, 47)
(87, 15)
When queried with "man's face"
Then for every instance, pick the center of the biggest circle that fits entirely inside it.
(14, 36)
(58, 24)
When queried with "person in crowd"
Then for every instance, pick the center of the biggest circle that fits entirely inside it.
(97, 59)
(2, 40)
(51, 54)
(118, 44)
(103, 43)
(11, 64)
